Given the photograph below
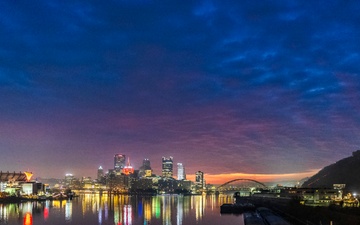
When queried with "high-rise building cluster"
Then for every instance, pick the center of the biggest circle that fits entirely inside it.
(124, 178)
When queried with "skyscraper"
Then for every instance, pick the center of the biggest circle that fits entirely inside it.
(119, 162)
(100, 173)
(145, 169)
(146, 164)
(181, 172)
(167, 167)
(128, 169)
(199, 180)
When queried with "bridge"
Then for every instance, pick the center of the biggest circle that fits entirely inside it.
(244, 189)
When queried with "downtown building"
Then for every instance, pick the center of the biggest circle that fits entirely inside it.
(119, 162)
(100, 174)
(167, 167)
(145, 170)
(181, 172)
(200, 183)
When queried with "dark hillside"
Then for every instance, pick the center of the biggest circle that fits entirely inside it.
(345, 171)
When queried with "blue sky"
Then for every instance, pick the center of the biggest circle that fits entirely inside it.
(258, 87)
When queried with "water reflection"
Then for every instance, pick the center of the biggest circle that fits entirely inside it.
(119, 210)
(28, 219)
(68, 211)
(46, 210)
(180, 209)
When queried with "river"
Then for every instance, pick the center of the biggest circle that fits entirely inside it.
(96, 209)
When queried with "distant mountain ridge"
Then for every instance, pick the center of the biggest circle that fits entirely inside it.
(345, 171)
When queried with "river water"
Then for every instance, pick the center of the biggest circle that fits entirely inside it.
(96, 209)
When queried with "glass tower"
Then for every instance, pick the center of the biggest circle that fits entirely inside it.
(199, 179)
(181, 172)
(119, 162)
(100, 173)
(167, 167)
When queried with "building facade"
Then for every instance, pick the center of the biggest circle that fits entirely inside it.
(199, 180)
(100, 173)
(119, 162)
(167, 167)
(145, 169)
(180, 172)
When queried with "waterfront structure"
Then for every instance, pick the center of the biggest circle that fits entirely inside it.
(142, 185)
(181, 172)
(118, 183)
(32, 188)
(313, 196)
(167, 185)
(10, 179)
(119, 162)
(12, 176)
(167, 167)
(199, 180)
(87, 183)
(183, 186)
(2, 186)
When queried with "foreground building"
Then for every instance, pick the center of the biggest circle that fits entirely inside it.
(19, 184)
(313, 196)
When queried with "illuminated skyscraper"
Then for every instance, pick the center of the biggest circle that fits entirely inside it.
(69, 179)
(128, 169)
(100, 173)
(119, 162)
(146, 164)
(199, 180)
(145, 169)
(180, 172)
(167, 167)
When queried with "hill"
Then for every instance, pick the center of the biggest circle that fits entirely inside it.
(345, 171)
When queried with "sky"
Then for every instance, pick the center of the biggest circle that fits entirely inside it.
(259, 89)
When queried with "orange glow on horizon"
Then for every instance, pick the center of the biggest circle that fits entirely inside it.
(222, 178)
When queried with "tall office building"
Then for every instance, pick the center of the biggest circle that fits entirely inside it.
(145, 169)
(128, 169)
(100, 173)
(69, 179)
(119, 162)
(146, 164)
(167, 167)
(181, 172)
(199, 180)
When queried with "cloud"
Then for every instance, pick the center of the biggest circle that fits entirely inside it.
(233, 87)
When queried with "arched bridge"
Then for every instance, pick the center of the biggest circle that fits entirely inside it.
(241, 179)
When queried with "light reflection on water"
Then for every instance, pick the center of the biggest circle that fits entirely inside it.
(103, 209)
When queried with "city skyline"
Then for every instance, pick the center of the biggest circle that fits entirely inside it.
(267, 90)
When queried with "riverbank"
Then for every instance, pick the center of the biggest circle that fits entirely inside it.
(16, 199)
(299, 214)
